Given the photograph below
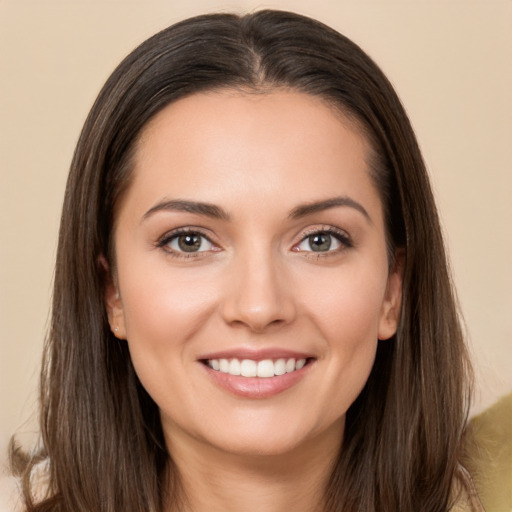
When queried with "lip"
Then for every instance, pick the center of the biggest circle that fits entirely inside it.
(256, 355)
(256, 387)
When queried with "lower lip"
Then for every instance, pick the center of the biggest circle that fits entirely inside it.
(257, 387)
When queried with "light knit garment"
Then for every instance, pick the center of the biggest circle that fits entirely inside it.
(464, 493)
(9, 495)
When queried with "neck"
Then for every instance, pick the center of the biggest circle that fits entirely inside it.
(212, 480)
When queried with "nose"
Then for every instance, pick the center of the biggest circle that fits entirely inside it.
(258, 295)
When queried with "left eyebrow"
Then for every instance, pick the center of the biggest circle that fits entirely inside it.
(182, 205)
(334, 202)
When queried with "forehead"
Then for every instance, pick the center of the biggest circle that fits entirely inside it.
(212, 146)
(260, 111)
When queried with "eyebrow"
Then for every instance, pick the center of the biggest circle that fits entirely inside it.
(334, 202)
(216, 212)
(182, 205)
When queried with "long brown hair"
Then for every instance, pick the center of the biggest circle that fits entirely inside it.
(100, 430)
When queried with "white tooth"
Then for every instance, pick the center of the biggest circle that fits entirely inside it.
(234, 367)
(266, 368)
(248, 368)
(300, 363)
(290, 365)
(280, 367)
(224, 365)
(214, 363)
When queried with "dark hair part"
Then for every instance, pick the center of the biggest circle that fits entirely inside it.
(100, 429)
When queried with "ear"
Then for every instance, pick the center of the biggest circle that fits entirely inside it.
(113, 302)
(390, 312)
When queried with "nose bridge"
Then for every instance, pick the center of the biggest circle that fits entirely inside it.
(258, 295)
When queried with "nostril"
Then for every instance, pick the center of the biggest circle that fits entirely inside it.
(257, 324)
(257, 297)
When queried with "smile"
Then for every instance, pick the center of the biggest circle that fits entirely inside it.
(257, 374)
(265, 368)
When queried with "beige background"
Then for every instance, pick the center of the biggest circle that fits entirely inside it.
(451, 62)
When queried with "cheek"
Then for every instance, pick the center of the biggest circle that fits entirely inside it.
(163, 312)
(347, 304)
(346, 308)
(164, 308)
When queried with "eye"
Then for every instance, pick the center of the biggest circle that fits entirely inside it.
(187, 242)
(323, 241)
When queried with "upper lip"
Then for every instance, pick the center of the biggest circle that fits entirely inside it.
(256, 354)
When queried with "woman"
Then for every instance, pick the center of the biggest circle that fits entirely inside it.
(252, 308)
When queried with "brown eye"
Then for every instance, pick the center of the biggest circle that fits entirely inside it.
(320, 242)
(324, 241)
(188, 242)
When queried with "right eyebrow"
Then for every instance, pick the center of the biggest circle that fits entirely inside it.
(334, 202)
(183, 205)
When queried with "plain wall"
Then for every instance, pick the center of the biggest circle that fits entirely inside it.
(450, 61)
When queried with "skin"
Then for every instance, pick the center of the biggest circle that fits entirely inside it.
(255, 284)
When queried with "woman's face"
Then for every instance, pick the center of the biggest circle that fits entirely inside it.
(252, 240)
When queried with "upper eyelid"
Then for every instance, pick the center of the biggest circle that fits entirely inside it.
(163, 241)
(185, 230)
(298, 238)
(342, 236)
(322, 229)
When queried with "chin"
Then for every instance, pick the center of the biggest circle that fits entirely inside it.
(273, 440)
(258, 448)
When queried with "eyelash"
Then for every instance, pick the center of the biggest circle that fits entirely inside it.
(166, 239)
(340, 236)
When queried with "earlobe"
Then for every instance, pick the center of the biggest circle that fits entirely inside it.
(390, 313)
(113, 302)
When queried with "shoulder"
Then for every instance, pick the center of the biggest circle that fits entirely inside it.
(489, 454)
(10, 494)
(464, 495)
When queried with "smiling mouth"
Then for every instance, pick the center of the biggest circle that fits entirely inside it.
(264, 368)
